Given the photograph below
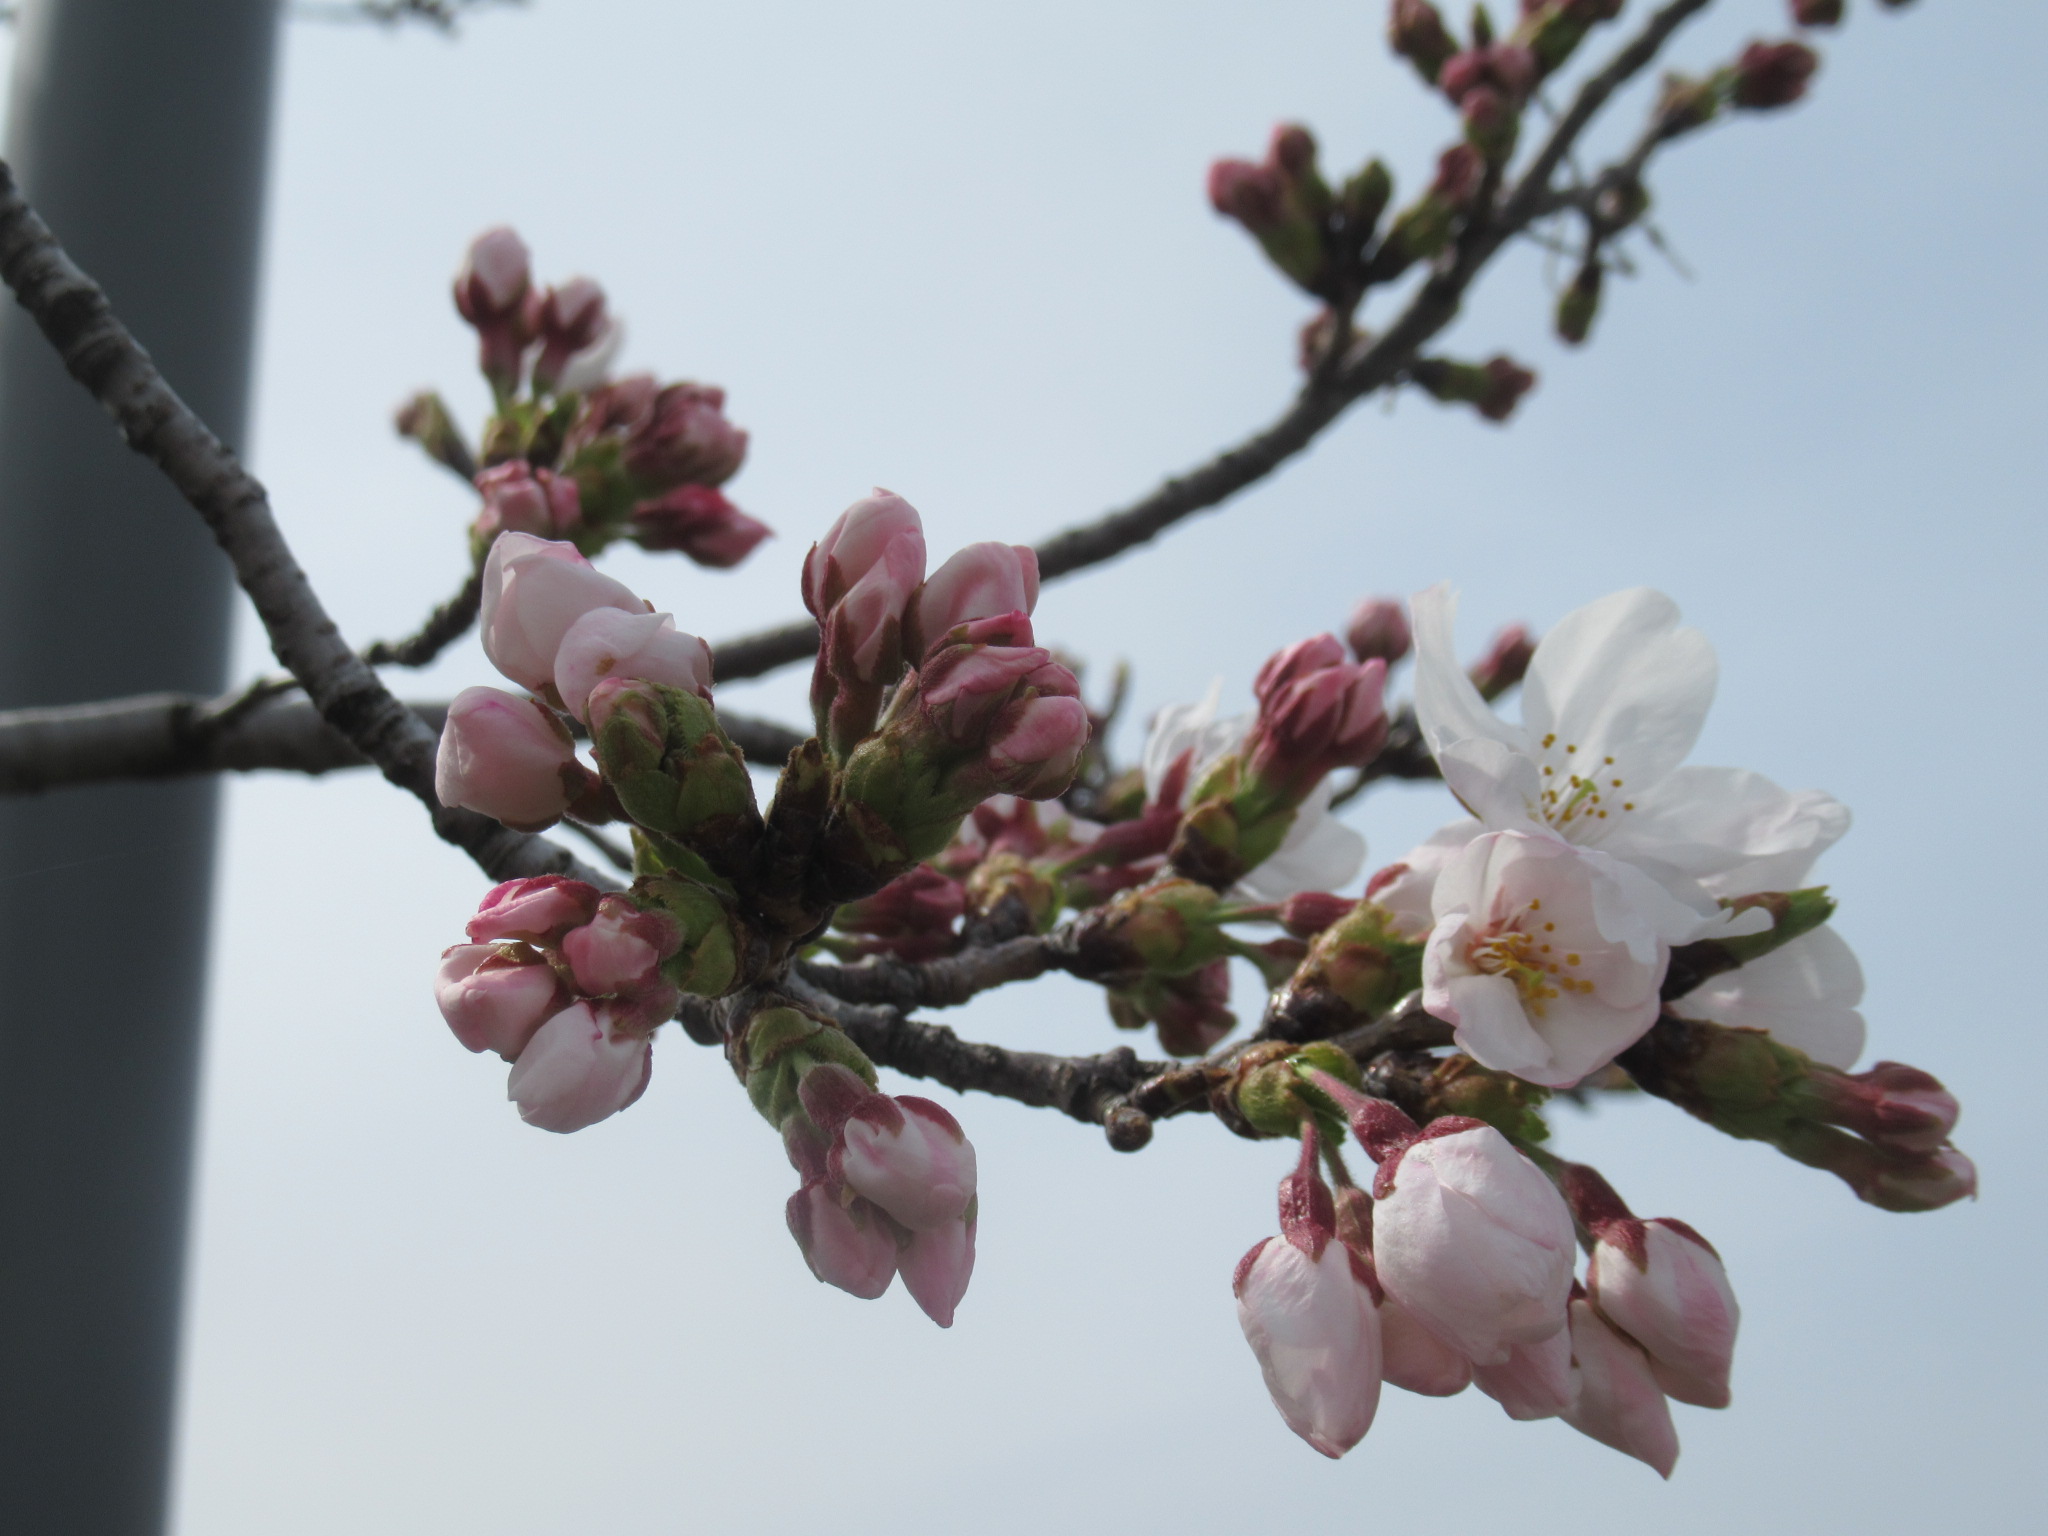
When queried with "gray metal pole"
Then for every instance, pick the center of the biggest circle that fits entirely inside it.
(138, 128)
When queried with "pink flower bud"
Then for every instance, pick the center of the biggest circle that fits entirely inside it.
(1616, 1398)
(1892, 1104)
(936, 1266)
(538, 909)
(1505, 663)
(849, 1246)
(533, 591)
(685, 439)
(1416, 1359)
(982, 581)
(1504, 68)
(640, 647)
(1534, 1381)
(1307, 913)
(1192, 1012)
(509, 758)
(912, 917)
(1660, 1283)
(1460, 170)
(1506, 382)
(1039, 745)
(964, 686)
(621, 949)
(1910, 1183)
(579, 1069)
(881, 530)
(908, 1156)
(521, 499)
(494, 998)
(1470, 1237)
(1317, 712)
(1379, 629)
(496, 271)
(701, 523)
(1310, 1319)
(1770, 75)
(1254, 195)
(571, 320)
(1415, 30)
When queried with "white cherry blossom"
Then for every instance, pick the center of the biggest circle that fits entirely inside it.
(1546, 958)
(1614, 699)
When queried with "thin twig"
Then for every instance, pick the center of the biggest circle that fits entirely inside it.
(1324, 397)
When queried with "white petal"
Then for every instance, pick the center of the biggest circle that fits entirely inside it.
(1496, 783)
(1408, 894)
(1447, 706)
(1182, 728)
(1618, 678)
(1734, 829)
(1804, 994)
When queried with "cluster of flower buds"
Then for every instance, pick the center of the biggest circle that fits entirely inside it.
(975, 707)
(1884, 1132)
(1456, 1269)
(887, 1184)
(1318, 712)
(574, 639)
(568, 984)
(570, 453)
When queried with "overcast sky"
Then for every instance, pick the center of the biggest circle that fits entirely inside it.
(963, 252)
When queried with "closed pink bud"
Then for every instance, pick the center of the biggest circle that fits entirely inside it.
(533, 591)
(982, 581)
(507, 757)
(1505, 663)
(685, 439)
(908, 1156)
(1891, 1104)
(1905, 1182)
(1415, 1359)
(1505, 68)
(1616, 1398)
(850, 1247)
(538, 909)
(1192, 1012)
(620, 950)
(964, 686)
(1770, 75)
(879, 530)
(1534, 1381)
(1303, 659)
(639, 647)
(494, 998)
(1307, 913)
(1254, 195)
(1379, 628)
(1312, 1323)
(496, 271)
(912, 917)
(1039, 747)
(1470, 1237)
(578, 1069)
(572, 320)
(1661, 1284)
(701, 523)
(521, 499)
(1317, 712)
(936, 1266)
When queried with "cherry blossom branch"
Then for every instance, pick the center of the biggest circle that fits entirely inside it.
(169, 735)
(96, 349)
(1328, 392)
(1091, 1089)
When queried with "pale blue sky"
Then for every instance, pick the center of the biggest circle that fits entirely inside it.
(963, 252)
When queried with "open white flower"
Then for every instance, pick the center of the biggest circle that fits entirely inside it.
(1546, 958)
(1319, 853)
(1614, 699)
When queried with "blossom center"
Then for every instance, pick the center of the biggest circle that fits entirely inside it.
(1523, 949)
(1580, 796)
